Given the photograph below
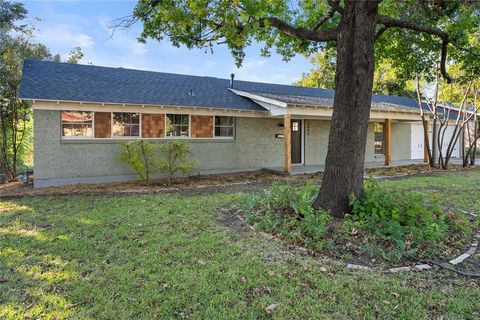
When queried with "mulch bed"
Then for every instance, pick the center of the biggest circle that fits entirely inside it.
(210, 183)
(196, 185)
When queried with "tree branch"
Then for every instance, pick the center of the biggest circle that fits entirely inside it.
(322, 35)
(335, 5)
(405, 24)
(380, 31)
(327, 16)
(388, 22)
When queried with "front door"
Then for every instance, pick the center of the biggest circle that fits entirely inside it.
(296, 130)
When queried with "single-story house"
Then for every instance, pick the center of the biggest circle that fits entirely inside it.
(81, 112)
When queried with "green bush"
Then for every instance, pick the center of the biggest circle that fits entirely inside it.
(286, 210)
(176, 160)
(148, 158)
(140, 155)
(401, 220)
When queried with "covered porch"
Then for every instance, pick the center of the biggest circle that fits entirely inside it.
(301, 118)
(295, 164)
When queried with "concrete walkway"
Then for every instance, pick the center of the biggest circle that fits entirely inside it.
(299, 169)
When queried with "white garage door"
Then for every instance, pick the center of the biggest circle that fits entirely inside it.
(417, 147)
(446, 140)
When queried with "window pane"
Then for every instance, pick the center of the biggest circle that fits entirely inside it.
(77, 124)
(184, 130)
(135, 118)
(117, 118)
(224, 126)
(177, 125)
(77, 116)
(118, 130)
(126, 124)
(378, 127)
(223, 121)
(134, 130)
(379, 138)
(184, 120)
(224, 131)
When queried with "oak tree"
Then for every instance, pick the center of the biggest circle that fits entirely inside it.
(412, 33)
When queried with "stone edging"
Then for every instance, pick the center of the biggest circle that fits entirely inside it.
(419, 267)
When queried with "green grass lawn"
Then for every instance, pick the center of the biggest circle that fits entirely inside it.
(167, 256)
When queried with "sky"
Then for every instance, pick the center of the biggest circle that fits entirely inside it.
(67, 24)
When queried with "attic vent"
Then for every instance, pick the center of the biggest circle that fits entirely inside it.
(191, 93)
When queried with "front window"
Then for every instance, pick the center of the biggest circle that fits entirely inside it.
(224, 127)
(379, 138)
(126, 124)
(77, 124)
(177, 125)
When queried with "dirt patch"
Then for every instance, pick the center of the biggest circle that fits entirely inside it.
(196, 185)
(229, 218)
(413, 169)
(255, 293)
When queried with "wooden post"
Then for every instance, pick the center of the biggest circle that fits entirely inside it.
(425, 142)
(388, 144)
(287, 121)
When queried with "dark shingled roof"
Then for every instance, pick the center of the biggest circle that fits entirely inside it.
(74, 82)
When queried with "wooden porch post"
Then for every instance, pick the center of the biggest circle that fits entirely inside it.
(388, 142)
(425, 142)
(288, 144)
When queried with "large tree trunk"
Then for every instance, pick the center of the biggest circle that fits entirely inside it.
(344, 165)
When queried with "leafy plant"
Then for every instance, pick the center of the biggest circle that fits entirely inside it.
(140, 155)
(401, 221)
(287, 210)
(148, 158)
(176, 159)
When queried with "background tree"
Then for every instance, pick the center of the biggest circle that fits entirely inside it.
(458, 113)
(17, 43)
(417, 31)
(322, 75)
(386, 79)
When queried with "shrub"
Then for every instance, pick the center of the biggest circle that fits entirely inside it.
(148, 158)
(140, 155)
(287, 210)
(176, 159)
(386, 224)
(399, 219)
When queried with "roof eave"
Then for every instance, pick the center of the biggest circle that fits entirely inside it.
(143, 105)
